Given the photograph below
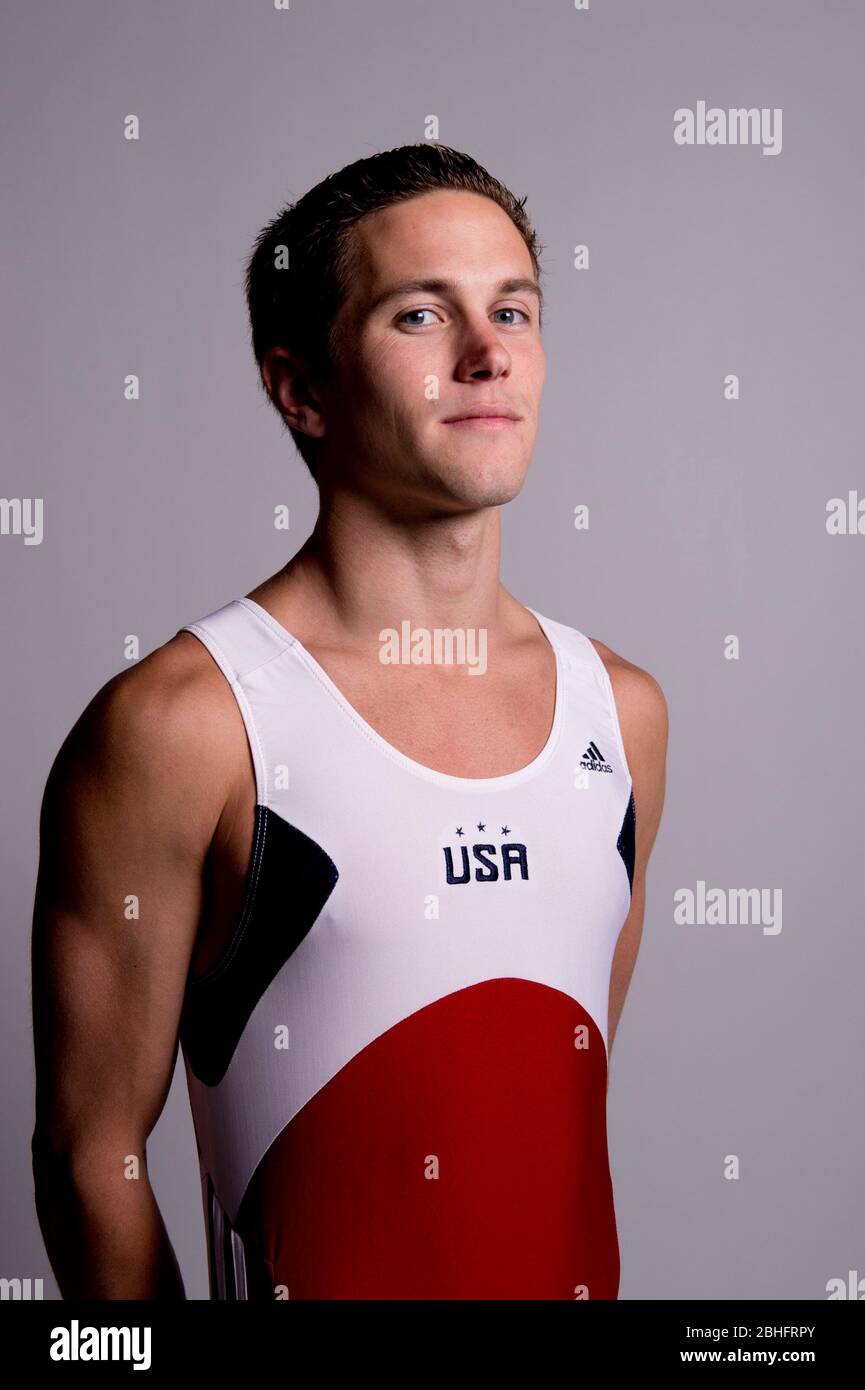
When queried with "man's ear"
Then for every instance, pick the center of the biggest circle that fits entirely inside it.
(287, 381)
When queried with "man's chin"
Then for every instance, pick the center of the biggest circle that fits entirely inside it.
(482, 482)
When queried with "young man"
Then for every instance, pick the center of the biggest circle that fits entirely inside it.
(390, 910)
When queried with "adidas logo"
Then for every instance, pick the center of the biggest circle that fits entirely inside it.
(593, 759)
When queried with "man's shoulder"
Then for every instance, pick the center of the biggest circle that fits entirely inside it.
(176, 690)
(171, 714)
(635, 682)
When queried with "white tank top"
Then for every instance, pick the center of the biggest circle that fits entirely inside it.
(397, 1065)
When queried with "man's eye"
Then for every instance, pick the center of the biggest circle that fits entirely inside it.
(409, 312)
(513, 310)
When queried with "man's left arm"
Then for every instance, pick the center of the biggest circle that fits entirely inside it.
(642, 711)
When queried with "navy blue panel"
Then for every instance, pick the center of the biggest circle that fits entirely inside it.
(289, 880)
(626, 841)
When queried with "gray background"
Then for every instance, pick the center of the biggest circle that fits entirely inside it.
(707, 516)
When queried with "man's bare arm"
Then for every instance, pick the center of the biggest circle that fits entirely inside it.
(129, 811)
(643, 718)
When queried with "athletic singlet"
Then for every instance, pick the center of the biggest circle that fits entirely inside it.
(397, 1065)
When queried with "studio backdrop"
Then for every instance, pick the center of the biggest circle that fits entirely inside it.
(696, 501)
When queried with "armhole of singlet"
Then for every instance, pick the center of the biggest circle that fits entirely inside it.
(252, 738)
(604, 674)
(232, 942)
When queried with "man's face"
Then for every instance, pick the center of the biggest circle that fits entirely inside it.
(413, 361)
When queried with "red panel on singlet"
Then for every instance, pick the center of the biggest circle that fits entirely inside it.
(484, 1088)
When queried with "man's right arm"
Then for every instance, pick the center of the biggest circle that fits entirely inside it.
(129, 812)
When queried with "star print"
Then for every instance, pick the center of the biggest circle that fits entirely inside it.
(481, 826)
(459, 830)
(506, 830)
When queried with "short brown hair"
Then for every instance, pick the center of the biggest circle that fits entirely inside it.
(295, 307)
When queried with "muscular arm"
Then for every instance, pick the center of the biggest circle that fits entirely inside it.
(642, 711)
(129, 810)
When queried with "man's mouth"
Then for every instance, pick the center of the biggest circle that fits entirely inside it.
(493, 416)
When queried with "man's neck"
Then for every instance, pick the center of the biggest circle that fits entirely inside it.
(358, 573)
